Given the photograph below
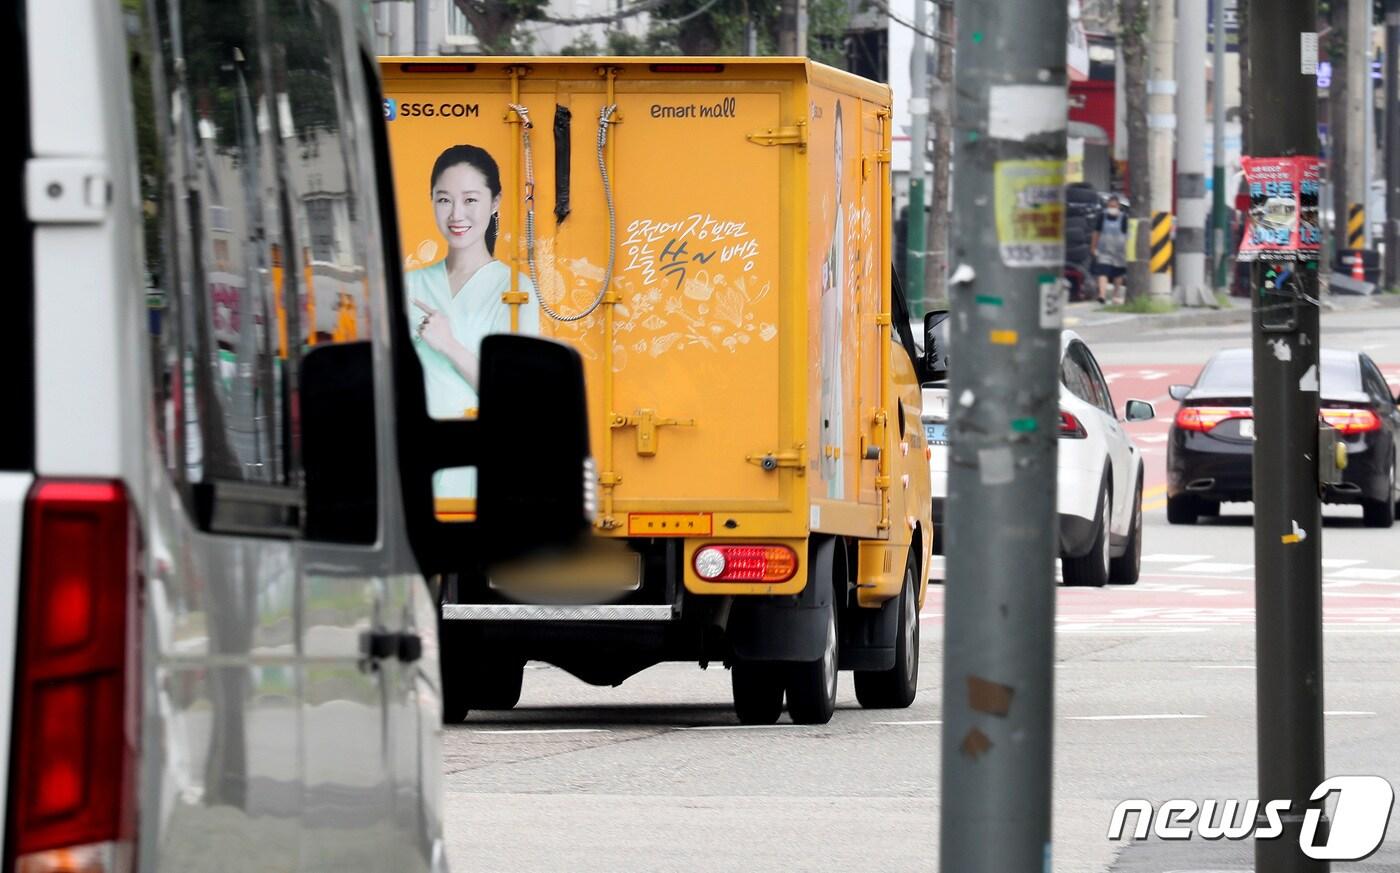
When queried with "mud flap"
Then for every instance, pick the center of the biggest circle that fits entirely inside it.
(868, 636)
(789, 628)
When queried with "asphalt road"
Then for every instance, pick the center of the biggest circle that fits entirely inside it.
(1154, 699)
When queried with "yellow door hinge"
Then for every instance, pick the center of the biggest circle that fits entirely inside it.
(795, 460)
(774, 136)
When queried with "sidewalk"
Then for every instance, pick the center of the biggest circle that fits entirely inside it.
(1088, 316)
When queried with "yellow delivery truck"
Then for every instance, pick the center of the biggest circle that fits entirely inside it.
(713, 236)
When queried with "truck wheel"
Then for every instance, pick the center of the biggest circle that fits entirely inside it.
(811, 686)
(897, 687)
(496, 684)
(467, 685)
(758, 692)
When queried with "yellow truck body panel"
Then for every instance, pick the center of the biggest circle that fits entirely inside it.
(743, 382)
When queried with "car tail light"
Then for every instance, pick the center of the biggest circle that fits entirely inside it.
(72, 781)
(1071, 427)
(1203, 418)
(1348, 421)
(756, 563)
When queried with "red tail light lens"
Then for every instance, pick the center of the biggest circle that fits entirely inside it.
(71, 790)
(1349, 421)
(756, 563)
(1203, 418)
(1071, 427)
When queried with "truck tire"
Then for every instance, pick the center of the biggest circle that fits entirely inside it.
(811, 685)
(469, 684)
(758, 692)
(897, 687)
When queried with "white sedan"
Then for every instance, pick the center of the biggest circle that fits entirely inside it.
(1099, 486)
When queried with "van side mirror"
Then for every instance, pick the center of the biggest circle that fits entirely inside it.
(529, 444)
(936, 345)
(535, 474)
(1178, 392)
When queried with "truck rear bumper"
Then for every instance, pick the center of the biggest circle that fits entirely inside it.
(551, 613)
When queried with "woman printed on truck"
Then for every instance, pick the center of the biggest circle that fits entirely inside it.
(833, 300)
(456, 301)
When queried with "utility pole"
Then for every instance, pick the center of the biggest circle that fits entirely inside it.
(940, 113)
(918, 143)
(1161, 124)
(1358, 71)
(792, 28)
(1007, 253)
(1191, 157)
(1133, 17)
(1220, 218)
(420, 27)
(1287, 508)
(1392, 143)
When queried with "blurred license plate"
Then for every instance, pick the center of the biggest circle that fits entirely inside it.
(1247, 428)
(937, 434)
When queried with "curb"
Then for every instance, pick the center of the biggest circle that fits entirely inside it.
(1130, 323)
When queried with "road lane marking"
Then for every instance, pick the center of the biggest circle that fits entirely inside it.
(1365, 574)
(1342, 712)
(902, 723)
(1223, 667)
(1339, 563)
(1174, 559)
(1166, 716)
(540, 731)
(1154, 491)
(1214, 567)
(741, 727)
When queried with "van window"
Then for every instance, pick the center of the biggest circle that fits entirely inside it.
(256, 250)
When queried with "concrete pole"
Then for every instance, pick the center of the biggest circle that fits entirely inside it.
(1358, 74)
(1220, 215)
(1368, 123)
(1287, 510)
(1392, 143)
(1161, 123)
(918, 143)
(421, 27)
(1006, 255)
(1191, 204)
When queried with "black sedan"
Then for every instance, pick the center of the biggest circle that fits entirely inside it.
(1210, 451)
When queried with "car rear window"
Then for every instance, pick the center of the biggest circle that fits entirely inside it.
(1233, 376)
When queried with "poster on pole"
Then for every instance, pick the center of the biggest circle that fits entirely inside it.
(1282, 224)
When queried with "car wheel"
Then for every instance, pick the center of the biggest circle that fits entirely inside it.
(897, 687)
(811, 685)
(1091, 569)
(1381, 513)
(758, 692)
(1125, 569)
(1182, 510)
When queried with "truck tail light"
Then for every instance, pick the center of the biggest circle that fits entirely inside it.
(1203, 418)
(1071, 427)
(73, 762)
(746, 563)
(1349, 421)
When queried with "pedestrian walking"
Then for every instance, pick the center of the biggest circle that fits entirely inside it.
(1110, 250)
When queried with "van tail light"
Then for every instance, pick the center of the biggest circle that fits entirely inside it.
(1071, 427)
(747, 563)
(1203, 418)
(1349, 421)
(73, 755)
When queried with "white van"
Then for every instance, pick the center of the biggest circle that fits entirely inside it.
(217, 646)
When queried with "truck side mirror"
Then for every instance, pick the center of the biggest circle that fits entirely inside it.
(936, 345)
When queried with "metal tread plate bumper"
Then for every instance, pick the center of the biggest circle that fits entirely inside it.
(544, 612)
